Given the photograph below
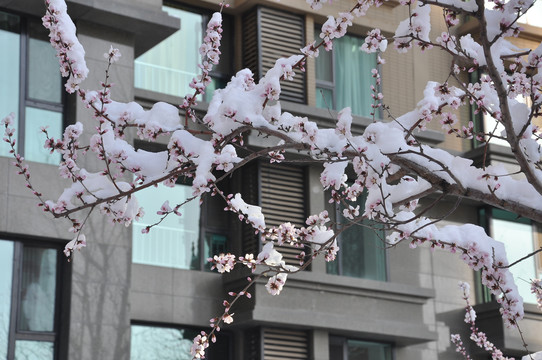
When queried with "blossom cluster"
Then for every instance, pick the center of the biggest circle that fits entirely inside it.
(69, 50)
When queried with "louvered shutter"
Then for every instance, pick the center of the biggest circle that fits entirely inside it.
(249, 192)
(282, 198)
(270, 34)
(282, 344)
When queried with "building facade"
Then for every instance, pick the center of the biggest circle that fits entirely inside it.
(134, 296)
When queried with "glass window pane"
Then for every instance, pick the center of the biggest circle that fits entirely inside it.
(9, 70)
(362, 253)
(34, 138)
(160, 343)
(364, 350)
(324, 64)
(173, 243)
(38, 287)
(6, 276)
(34, 350)
(324, 98)
(353, 76)
(170, 66)
(44, 79)
(518, 241)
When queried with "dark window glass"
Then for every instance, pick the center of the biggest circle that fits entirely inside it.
(362, 251)
(28, 301)
(348, 349)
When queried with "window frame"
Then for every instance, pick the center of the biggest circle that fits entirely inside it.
(485, 217)
(24, 98)
(229, 336)
(216, 74)
(340, 272)
(59, 335)
(343, 342)
(332, 85)
(205, 226)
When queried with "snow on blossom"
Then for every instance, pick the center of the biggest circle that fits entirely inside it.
(270, 256)
(252, 213)
(70, 52)
(77, 243)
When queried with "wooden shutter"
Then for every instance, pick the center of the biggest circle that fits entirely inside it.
(269, 35)
(282, 198)
(282, 344)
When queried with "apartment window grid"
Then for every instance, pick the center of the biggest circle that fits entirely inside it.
(31, 86)
(30, 296)
(344, 77)
(170, 66)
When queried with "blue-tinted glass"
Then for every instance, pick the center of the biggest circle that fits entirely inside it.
(34, 350)
(518, 241)
(324, 98)
(44, 79)
(171, 65)
(9, 70)
(38, 287)
(160, 343)
(173, 243)
(364, 350)
(34, 138)
(6, 275)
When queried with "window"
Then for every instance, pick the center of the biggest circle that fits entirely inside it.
(179, 241)
(343, 76)
(362, 252)
(28, 301)
(518, 236)
(347, 349)
(31, 86)
(151, 342)
(170, 66)
(533, 15)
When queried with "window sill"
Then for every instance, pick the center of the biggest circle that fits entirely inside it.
(351, 307)
(509, 340)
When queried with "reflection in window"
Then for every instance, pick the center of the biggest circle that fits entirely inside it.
(173, 343)
(343, 76)
(362, 254)
(41, 100)
(161, 343)
(170, 66)
(34, 350)
(38, 285)
(348, 349)
(517, 236)
(6, 275)
(175, 241)
(28, 301)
